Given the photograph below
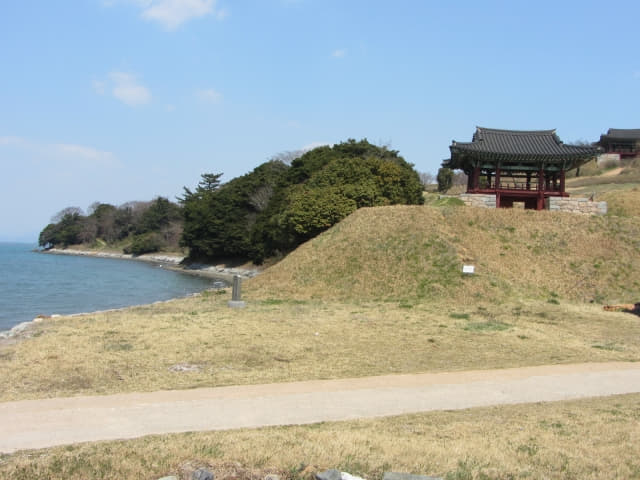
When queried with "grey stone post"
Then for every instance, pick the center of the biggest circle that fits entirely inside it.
(236, 293)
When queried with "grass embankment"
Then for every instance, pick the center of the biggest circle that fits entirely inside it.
(585, 439)
(380, 293)
(417, 253)
(619, 187)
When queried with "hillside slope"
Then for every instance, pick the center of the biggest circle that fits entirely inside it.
(416, 253)
(618, 186)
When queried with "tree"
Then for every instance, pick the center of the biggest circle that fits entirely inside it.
(312, 211)
(445, 179)
(105, 219)
(218, 219)
(68, 229)
(328, 183)
(287, 156)
(459, 178)
(426, 179)
(71, 211)
(160, 213)
(48, 236)
(209, 183)
(160, 220)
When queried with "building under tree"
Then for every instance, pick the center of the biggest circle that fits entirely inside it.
(517, 166)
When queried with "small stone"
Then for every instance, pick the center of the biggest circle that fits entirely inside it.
(331, 474)
(272, 476)
(184, 367)
(348, 476)
(170, 477)
(202, 474)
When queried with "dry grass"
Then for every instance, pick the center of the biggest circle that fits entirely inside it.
(624, 203)
(621, 191)
(406, 252)
(626, 176)
(275, 341)
(585, 439)
(380, 293)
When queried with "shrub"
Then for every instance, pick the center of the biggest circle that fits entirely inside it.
(145, 243)
(445, 179)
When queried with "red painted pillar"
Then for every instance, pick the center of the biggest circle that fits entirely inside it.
(497, 178)
(541, 182)
(476, 178)
(562, 178)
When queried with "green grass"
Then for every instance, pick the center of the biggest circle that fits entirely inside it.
(488, 326)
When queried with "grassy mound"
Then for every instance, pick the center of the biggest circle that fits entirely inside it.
(623, 202)
(417, 253)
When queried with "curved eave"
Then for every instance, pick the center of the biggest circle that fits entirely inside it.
(611, 139)
(461, 158)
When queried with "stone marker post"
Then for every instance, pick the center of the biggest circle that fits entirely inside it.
(236, 293)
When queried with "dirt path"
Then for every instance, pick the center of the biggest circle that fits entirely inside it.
(612, 172)
(44, 423)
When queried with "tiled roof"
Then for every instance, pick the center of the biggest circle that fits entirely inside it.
(518, 146)
(520, 142)
(623, 133)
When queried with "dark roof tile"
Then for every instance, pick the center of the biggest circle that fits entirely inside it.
(517, 147)
(520, 142)
(623, 133)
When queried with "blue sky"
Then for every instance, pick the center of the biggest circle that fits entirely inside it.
(120, 100)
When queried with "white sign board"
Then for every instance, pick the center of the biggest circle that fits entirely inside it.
(468, 269)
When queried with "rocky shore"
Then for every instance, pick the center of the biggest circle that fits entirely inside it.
(173, 262)
(168, 261)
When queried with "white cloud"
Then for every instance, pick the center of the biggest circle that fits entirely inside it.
(171, 14)
(127, 89)
(61, 153)
(222, 14)
(209, 95)
(81, 152)
(99, 87)
(340, 53)
(11, 141)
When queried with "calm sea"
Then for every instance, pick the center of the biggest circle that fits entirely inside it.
(34, 283)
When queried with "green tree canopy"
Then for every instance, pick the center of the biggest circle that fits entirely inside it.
(445, 179)
(276, 207)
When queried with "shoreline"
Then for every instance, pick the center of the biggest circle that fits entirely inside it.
(172, 262)
(23, 329)
(167, 261)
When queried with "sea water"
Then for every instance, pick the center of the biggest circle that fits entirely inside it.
(33, 283)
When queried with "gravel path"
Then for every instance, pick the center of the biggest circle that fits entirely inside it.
(58, 421)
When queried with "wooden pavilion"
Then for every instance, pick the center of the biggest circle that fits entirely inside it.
(624, 142)
(517, 166)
